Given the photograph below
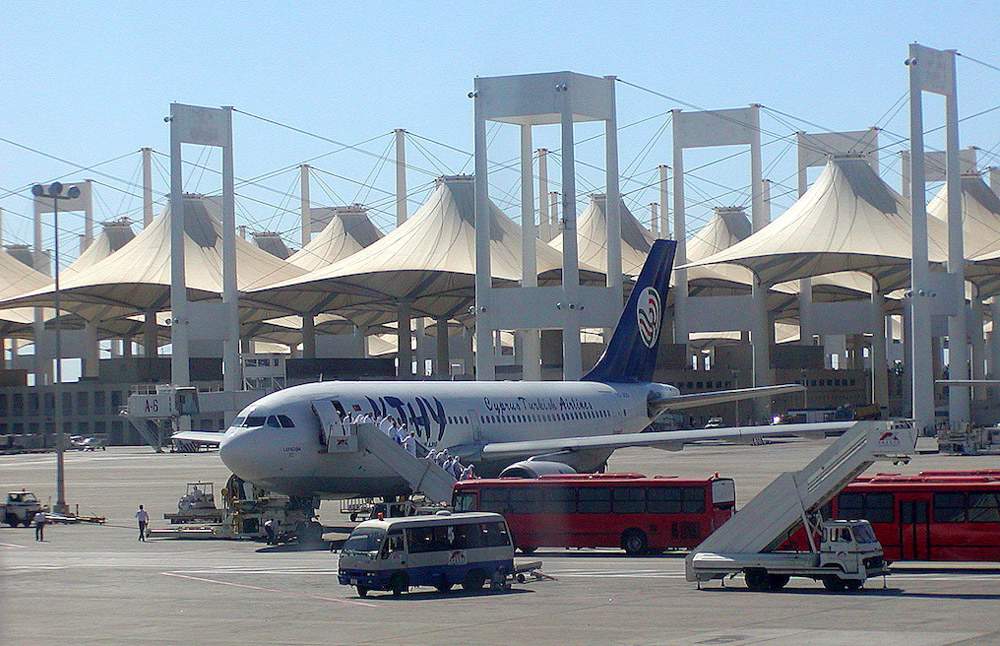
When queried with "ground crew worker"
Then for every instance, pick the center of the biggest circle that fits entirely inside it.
(143, 517)
(269, 530)
(40, 521)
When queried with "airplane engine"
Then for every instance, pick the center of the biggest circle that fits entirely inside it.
(535, 469)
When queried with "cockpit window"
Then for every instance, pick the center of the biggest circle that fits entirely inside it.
(272, 421)
(255, 420)
(286, 421)
(238, 422)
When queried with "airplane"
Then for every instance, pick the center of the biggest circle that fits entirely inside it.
(539, 427)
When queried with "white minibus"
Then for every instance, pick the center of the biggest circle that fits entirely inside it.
(440, 551)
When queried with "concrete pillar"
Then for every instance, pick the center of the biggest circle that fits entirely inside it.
(485, 359)
(995, 179)
(308, 336)
(572, 359)
(530, 341)
(958, 348)
(147, 186)
(758, 214)
(401, 175)
(760, 340)
(544, 224)
(180, 374)
(995, 342)
(907, 376)
(978, 348)
(553, 213)
(654, 219)
(923, 384)
(665, 230)
(404, 337)
(91, 350)
(880, 374)
(42, 368)
(232, 370)
(613, 208)
(1, 226)
(127, 347)
(442, 366)
(305, 208)
(681, 327)
(149, 329)
(88, 215)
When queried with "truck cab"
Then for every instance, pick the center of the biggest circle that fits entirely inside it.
(19, 507)
(850, 546)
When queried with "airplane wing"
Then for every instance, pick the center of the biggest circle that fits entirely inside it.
(694, 400)
(212, 438)
(667, 440)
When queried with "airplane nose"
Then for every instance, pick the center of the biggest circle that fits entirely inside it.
(237, 452)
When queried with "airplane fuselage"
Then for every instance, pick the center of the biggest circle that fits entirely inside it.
(285, 454)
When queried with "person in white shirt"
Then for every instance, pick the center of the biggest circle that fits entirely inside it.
(468, 473)
(143, 517)
(410, 444)
(40, 521)
(385, 425)
(398, 434)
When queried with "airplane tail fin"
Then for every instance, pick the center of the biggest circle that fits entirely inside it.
(631, 354)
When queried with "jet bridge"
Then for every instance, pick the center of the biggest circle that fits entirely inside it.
(796, 497)
(424, 476)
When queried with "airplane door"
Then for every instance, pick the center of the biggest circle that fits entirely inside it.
(334, 435)
(477, 429)
(914, 530)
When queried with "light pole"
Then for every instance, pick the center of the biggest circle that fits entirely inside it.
(54, 192)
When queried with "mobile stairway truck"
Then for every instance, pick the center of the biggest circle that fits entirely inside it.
(847, 552)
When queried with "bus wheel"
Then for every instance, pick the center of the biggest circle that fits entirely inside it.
(474, 580)
(527, 549)
(853, 586)
(634, 542)
(756, 579)
(11, 520)
(833, 583)
(443, 585)
(777, 581)
(398, 585)
(362, 591)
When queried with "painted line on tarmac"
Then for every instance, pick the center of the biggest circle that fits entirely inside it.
(11, 545)
(261, 589)
(248, 570)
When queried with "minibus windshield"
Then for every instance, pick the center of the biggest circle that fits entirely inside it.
(365, 540)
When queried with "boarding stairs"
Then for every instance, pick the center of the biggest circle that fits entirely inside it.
(795, 497)
(342, 436)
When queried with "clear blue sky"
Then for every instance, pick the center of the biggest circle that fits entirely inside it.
(89, 82)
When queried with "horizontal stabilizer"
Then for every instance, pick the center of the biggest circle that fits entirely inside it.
(695, 400)
(671, 440)
(212, 438)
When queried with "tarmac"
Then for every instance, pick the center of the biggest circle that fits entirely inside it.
(91, 584)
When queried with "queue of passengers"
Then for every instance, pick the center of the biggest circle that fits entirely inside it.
(396, 429)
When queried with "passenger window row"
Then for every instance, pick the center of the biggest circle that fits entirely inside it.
(594, 500)
(442, 538)
(949, 507)
(544, 417)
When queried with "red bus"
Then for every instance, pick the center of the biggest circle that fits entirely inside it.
(929, 516)
(626, 510)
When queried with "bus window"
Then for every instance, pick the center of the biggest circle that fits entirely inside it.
(692, 500)
(629, 500)
(984, 508)
(594, 500)
(524, 500)
(850, 506)
(394, 543)
(467, 537)
(558, 500)
(949, 508)
(663, 500)
(723, 493)
(494, 499)
(465, 501)
(364, 541)
(494, 535)
(420, 539)
(879, 508)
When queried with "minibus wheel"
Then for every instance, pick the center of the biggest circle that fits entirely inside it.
(474, 580)
(362, 591)
(398, 584)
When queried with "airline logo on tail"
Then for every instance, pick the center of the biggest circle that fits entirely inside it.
(647, 313)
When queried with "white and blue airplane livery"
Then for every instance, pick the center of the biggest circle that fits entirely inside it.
(538, 427)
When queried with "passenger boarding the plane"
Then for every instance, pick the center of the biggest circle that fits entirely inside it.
(410, 443)
(386, 424)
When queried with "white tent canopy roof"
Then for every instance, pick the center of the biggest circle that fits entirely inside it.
(848, 220)
(114, 235)
(428, 261)
(348, 232)
(137, 276)
(592, 237)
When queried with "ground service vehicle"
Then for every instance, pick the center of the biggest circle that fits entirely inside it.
(440, 551)
(626, 510)
(19, 507)
(848, 554)
(929, 516)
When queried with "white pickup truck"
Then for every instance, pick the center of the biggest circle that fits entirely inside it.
(19, 507)
(848, 554)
